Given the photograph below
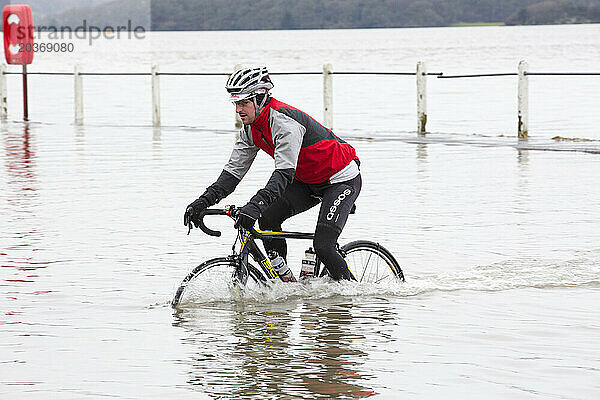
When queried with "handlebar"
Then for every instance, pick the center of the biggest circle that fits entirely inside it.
(213, 211)
(232, 212)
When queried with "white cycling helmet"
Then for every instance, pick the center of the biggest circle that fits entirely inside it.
(249, 83)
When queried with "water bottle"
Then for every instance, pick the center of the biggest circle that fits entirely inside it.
(308, 264)
(285, 273)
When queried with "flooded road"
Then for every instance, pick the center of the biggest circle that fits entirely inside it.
(499, 247)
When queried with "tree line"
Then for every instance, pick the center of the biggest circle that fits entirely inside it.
(319, 14)
(557, 12)
(200, 15)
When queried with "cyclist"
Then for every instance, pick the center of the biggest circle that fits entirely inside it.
(312, 165)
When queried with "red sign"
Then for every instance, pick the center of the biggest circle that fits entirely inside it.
(17, 25)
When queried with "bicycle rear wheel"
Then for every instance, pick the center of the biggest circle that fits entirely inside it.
(210, 279)
(371, 262)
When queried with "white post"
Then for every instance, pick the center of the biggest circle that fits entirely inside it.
(238, 120)
(155, 96)
(78, 96)
(523, 100)
(421, 97)
(3, 94)
(328, 96)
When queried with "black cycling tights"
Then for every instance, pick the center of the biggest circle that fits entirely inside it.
(325, 246)
(337, 201)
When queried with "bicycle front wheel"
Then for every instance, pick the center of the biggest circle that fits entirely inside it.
(371, 262)
(211, 279)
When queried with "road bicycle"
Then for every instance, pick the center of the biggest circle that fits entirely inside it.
(368, 261)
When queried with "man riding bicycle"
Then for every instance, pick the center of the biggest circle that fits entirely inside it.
(312, 166)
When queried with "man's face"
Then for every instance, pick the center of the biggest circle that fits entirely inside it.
(246, 110)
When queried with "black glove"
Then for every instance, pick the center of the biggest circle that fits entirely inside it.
(193, 210)
(247, 216)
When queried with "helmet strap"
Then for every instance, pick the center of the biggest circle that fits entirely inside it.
(264, 99)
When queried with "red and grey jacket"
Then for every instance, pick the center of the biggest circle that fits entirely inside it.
(301, 147)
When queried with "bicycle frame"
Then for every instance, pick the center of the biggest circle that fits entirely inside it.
(248, 245)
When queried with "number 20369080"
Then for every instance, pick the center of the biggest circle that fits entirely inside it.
(46, 47)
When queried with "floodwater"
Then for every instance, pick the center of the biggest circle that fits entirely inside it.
(498, 239)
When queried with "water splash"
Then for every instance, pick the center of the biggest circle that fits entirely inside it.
(514, 274)
(506, 275)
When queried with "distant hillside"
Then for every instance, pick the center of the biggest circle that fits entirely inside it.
(557, 12)
(44, 8)
(317, 14)
(107, 13)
